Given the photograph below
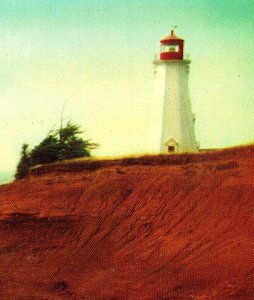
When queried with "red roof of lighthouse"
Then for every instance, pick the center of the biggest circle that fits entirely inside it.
(171, 37)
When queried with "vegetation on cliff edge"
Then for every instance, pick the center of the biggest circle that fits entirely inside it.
(60, 144)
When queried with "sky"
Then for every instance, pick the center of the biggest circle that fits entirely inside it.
(94, 58)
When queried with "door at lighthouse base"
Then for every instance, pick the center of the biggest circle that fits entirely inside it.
(171, 146)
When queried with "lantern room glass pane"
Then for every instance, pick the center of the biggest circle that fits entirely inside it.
(169, 48)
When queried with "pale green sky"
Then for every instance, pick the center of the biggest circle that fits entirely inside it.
(97, 57)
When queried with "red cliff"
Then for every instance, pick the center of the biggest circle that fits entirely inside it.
(158, 227)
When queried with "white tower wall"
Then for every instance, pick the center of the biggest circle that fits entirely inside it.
(178, 120)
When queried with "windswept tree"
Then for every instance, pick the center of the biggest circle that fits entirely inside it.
(71, 145)
(47, 151)
(60, 144)
(24, 163)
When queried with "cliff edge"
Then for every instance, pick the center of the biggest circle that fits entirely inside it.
(154, 227)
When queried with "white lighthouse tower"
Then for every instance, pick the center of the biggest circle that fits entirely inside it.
(171, 72)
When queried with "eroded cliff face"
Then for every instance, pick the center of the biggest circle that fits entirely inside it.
(149, 228)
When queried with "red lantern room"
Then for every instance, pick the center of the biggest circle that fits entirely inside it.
(171, 47)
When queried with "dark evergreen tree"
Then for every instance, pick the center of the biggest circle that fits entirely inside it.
(60, 144)
(72, 146)
(24, 163)
(47, 151)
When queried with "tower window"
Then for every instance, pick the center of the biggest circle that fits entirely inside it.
(169, 48)
(171, 148)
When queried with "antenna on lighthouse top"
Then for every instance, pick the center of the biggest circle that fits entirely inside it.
(174, 27)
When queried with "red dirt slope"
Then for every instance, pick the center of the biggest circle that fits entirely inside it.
(161, 227)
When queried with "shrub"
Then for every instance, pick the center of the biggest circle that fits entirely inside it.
(60, 144)
(24, 163)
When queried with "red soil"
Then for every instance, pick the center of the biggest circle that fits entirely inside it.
(161, 227)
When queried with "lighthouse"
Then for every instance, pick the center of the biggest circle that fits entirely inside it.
(171, 78)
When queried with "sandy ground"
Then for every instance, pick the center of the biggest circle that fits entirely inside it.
(159, 227)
